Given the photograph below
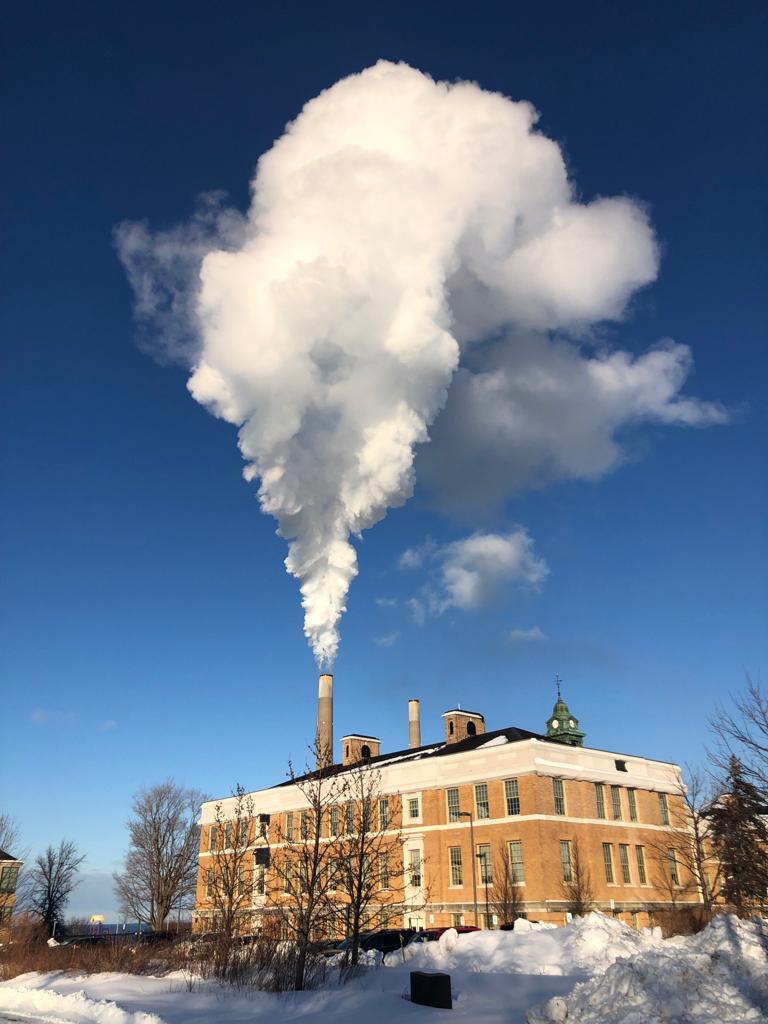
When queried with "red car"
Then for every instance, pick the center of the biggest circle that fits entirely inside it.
(433, 934)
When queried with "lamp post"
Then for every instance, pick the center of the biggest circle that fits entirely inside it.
(483, 858)
(467, 814)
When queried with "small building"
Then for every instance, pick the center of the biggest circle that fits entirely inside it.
(9, 877)
(478, 809)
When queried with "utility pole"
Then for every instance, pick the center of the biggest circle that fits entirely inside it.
(467, 814)
(483, 857)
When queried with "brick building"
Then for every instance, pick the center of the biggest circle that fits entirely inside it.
(463, 807)
(9, 876)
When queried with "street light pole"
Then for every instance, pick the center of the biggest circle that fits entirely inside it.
(467, 814)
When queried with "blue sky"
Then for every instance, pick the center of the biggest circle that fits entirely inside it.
(148, 626)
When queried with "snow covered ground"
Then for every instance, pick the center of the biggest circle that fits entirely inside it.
(595, 971)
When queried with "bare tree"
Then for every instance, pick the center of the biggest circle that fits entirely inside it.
(229, 875)
(693, 841)
(160, 869)
(508, 903)
(305, 862)
(10, 835)
(370, 874)
(743, 731)
(576, 885)
(51, 881)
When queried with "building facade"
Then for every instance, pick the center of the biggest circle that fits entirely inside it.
(478, 809)
(9, 876)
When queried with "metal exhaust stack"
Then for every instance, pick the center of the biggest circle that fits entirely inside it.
(414, 724)
(324, 738)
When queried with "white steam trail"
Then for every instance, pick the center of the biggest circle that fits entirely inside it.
(396, 219)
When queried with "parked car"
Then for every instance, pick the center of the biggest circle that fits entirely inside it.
(433, 934)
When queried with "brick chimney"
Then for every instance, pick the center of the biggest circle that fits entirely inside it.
(461, 724)
(356, 748)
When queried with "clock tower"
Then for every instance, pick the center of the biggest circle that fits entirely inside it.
(561, 725)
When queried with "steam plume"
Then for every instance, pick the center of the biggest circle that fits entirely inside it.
(396, 221)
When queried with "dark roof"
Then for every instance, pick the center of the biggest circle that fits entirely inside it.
(6, 856)
(429, 750)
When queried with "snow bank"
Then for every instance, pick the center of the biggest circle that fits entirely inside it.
(588, 946)
(24, 996)
(717, 977)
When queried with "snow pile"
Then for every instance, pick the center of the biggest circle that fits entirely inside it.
(588, 946)
(24, 996)
(717, 977)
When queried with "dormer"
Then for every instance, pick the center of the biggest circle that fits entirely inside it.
(460, 725)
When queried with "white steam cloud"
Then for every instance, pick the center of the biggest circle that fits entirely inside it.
(397, 225)
(473, 572)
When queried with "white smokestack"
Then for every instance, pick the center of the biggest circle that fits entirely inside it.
(396, 218)
(414, 724)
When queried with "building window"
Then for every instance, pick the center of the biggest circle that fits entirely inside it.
(213, 837)
(565, 860)
(242, 839)
(484, 858)
(8, 879)
(287, 873)
(632, 800)
(366, 816)
(242, 881)
(334, 821)
(349, 817)
(304, 824)
(457, 920)
(384, 870)
(228, 836)
(289, 826)
(616, 802)
(333, 874)
(626, 877)
(640, 856)
(383, 814)
(413, 807)
(559, 793)
(512, 795)
(209, 883)
(488, 921)
(415, 867)
(453, 804)
(600, 800)
(608, 862)
(259, 879)
(674, 874)
(516, 866)
(481, 801)
(663, 808)
(454, 860)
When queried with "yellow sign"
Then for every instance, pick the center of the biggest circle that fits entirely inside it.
(97, 919)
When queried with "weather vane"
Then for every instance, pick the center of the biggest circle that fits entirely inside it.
(558, 680)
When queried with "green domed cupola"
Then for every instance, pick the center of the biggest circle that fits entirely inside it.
(562, 726)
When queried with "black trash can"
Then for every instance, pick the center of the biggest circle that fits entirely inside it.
(431, 988)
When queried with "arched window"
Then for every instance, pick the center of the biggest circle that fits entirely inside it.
(347, 753)
(450, 728)
(365, 751)
(471, 730)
